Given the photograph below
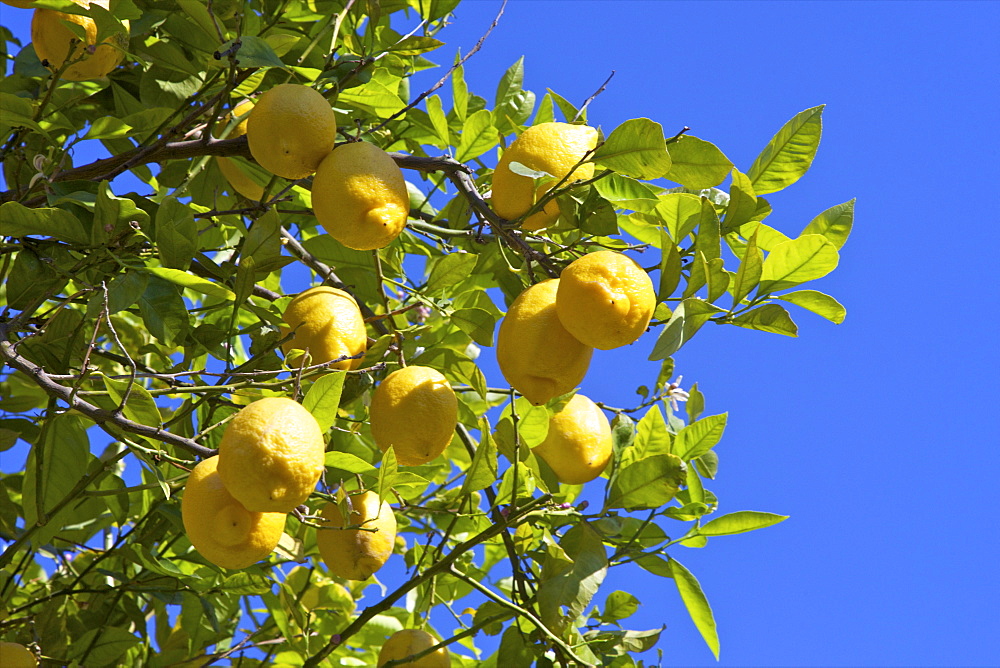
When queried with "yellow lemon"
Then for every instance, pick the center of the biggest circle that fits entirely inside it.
(55, 44)
(356, 554)
(408, 642)
(237, 178)
(605, 299)
(219, 527)
(271, 455)
(291, 129)
(13, 655)
(553, 148)
(536, 354)
(359, 196)
(578, 445)
(415, 411)
(328, 323)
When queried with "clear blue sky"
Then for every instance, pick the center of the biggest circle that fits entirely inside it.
(878, 437)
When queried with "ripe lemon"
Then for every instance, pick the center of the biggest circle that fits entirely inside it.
(359, 196)
(53, 42)
(219, 527)
(415, 411)
(554, 148)
(536, 354)
(408, 642)
(291, 129)
(578, 445)
(237, 178)
(328, 323)
(356, 554)
(605, 299)
(13, 655)
(271, 455)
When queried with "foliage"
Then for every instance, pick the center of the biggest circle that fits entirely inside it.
(136, 322)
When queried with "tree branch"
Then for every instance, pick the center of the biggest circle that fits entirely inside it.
(95, 413)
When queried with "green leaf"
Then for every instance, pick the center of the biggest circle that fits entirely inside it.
(17, 220)
(835, 223)
(438, 119)
(697, 604)
(699, 437)
(708, 464)
(163, 311)
(670, 268)
(254, 52)
(635, 148)
(695, 403)
(482, 471)
(477, 323)
(684, 323)
(345, 461)
(323, 399)
(708, 240)
(697, 164)
(451, 269)
(176, 234)
(681, 213)
(768, 318)
(619, 605)
(789, 153)
(572, 588)
(817, 302)
(740, 522)
(625, 192)
(414, 45)
(652, 437)
(387, 473)
(478, 136)
(648, 483)
(799, 260)
(263, 242)
(102, 646)
(748, 275)
(192, 282)
(114, 216)
(31, 279)
(53, 468)
(141, 406)
(742, 202)
(516, 650)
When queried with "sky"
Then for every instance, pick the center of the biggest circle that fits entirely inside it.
(876, 436)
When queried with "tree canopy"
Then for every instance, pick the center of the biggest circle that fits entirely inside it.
(143, 306)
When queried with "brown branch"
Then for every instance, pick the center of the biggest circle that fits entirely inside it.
(98, 415)
(440, 566)
(590, 99)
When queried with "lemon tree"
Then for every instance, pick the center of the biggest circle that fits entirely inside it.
(257, 400)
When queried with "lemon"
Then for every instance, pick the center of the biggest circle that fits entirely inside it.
(359, 196)
(13, 655)
(356, 554)
(578, 445)
(237, 178)
(219, 527)
(271, 455)
(408, 642)
(605, 299)
(291, 129)
(328, 323)
(415, 411)
(553, 148)
(536, 354)
(55, 43)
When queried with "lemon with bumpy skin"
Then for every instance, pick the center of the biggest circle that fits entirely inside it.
(415, 411)
(327, 322)
(55, 43)
(271, 455)
(536, 354)
(605, 300)
(578, 445)
(553, 148)
(238, 179)
(356, 554)
(291, 129)
(219, 527)
(359, 196)
(408, 642)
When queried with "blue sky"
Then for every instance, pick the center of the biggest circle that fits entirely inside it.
(876, 436)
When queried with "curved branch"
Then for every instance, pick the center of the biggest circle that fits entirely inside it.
(95, 413)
